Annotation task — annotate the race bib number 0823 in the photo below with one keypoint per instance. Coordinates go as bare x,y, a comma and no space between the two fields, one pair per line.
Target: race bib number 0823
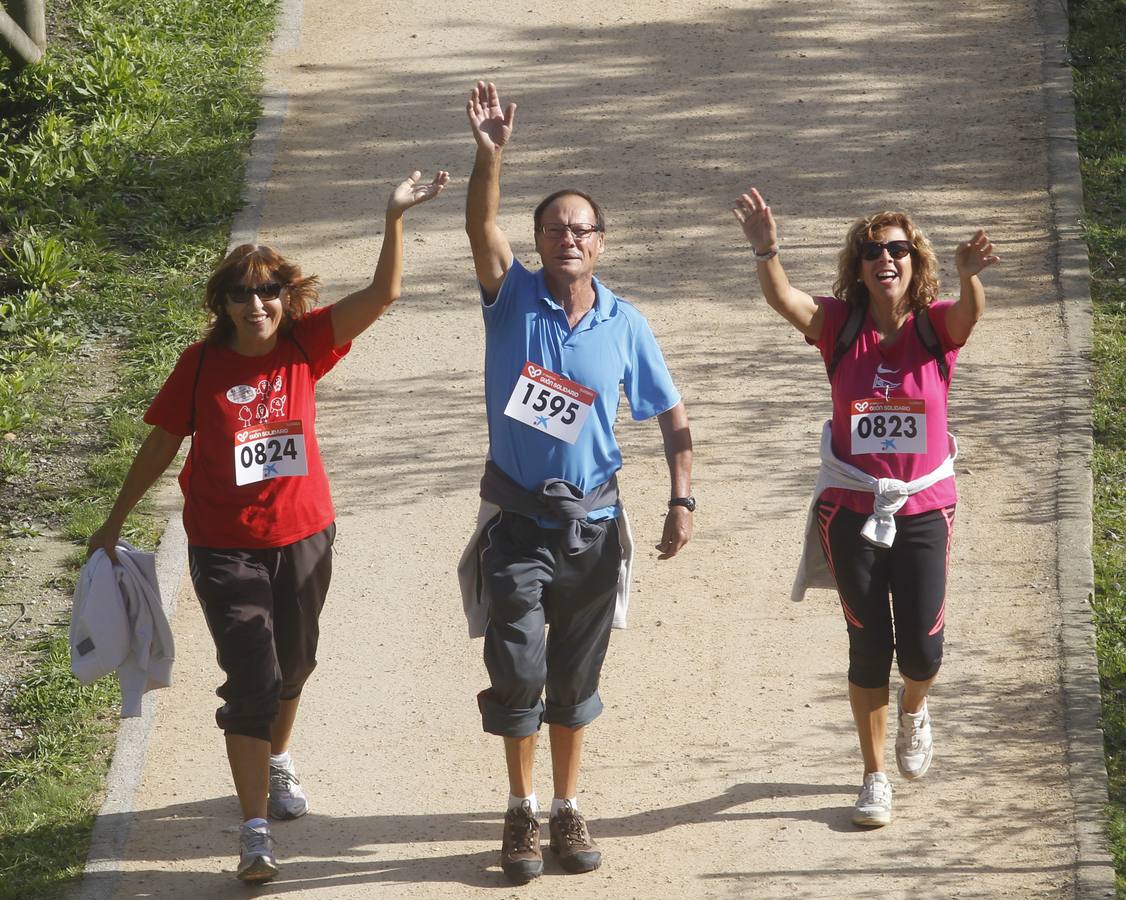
270,451
550,403
889,426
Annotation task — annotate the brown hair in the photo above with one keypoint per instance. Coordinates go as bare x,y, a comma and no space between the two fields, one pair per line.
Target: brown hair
569,192
923,289
261,263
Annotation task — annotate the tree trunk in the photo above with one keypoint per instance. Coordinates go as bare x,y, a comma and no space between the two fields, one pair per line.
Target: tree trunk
23,48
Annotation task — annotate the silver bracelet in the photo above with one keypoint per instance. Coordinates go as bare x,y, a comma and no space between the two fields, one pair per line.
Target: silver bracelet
768,255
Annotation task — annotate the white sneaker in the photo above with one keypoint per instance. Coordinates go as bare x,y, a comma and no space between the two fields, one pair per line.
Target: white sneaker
256,854
287,798
913,744
873,806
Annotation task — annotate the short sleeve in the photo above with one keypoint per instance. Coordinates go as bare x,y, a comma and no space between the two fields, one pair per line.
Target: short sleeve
171,409
515,279
647,383
938,313
313,332
835,313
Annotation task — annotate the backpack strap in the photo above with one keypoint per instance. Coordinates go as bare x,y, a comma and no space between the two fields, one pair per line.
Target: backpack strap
925,328
848,334
195,388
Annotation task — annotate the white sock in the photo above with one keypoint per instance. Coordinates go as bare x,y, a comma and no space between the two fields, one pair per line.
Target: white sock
557,804
515,802
282,759
255,823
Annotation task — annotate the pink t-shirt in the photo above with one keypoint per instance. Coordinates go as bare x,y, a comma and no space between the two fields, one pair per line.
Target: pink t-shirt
889,407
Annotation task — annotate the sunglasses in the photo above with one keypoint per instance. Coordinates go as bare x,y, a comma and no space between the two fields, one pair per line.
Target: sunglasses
896,249
241,293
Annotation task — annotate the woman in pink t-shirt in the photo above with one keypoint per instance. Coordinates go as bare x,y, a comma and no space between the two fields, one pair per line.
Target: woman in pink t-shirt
257,509
887,543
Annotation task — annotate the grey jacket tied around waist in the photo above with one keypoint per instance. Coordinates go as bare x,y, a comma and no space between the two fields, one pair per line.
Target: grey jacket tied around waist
554,499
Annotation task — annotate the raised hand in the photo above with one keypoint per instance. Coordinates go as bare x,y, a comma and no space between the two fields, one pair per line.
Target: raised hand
491,127
757,221
975,254
412,192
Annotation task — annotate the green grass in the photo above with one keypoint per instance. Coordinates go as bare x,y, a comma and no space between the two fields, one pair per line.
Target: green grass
1098,54
121,166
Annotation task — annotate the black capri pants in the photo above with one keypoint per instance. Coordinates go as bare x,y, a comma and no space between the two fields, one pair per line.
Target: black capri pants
263,610
530,582
912,571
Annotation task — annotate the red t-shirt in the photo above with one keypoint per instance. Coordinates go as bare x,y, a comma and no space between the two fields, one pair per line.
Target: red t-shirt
889,407
253,477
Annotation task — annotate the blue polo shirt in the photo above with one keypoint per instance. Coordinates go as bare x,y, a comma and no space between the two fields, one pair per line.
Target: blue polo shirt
612,345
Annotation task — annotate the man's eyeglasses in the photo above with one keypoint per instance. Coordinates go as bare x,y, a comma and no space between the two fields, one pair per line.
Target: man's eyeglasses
896,249
241,293
580,231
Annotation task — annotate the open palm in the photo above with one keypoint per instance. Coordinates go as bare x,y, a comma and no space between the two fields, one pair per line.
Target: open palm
414,191
491,127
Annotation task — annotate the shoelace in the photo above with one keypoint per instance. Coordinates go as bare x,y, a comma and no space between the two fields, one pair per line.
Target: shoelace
874,793
915,731
282,779
257,842
520,832
573,827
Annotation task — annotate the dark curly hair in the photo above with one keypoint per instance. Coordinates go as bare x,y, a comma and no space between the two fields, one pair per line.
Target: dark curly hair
260,263
923,289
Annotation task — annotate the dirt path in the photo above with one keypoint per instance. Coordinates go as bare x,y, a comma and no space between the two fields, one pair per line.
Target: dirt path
725,764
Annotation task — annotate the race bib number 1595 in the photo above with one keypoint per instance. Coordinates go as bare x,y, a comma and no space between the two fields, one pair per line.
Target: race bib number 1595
270,451
889,426
550,403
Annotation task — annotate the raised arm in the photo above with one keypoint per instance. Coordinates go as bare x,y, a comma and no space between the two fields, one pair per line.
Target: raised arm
971,257
797,307
153,457
492,254
677,439
356,312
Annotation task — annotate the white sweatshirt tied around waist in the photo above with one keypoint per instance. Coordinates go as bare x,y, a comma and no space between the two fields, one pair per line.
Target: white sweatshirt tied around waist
889,495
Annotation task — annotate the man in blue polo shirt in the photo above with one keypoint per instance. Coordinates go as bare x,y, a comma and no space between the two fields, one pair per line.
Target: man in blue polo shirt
549,546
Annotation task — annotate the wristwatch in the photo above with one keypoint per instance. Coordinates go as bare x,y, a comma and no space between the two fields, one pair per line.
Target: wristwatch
689,503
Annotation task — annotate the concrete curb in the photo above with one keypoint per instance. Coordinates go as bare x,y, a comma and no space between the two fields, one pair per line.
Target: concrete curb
111,827
1079,676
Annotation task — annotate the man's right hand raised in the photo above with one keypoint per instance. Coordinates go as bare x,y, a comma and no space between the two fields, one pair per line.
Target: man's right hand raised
491,127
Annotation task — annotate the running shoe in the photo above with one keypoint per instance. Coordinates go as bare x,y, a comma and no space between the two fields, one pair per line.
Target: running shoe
913,744
873,806
256,854
520,856
571,841
287,798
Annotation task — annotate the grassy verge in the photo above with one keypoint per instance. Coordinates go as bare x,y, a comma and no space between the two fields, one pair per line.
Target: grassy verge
120,168
1098,55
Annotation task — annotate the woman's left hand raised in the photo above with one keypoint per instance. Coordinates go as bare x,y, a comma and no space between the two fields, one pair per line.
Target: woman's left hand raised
413,191
975,254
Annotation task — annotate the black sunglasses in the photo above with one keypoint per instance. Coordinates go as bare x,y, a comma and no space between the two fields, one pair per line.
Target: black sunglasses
896,249
241,293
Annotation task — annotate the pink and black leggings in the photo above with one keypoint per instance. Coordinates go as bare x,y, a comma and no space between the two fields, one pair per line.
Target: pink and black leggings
912,572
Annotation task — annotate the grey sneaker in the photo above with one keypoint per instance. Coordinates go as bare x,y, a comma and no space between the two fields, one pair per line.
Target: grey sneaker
914,745
873,806
256,860
287,798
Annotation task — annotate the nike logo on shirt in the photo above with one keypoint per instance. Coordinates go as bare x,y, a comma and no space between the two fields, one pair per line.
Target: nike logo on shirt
881,369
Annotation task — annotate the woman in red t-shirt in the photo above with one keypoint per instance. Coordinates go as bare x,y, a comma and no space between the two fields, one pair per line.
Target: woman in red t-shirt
257,508
885,518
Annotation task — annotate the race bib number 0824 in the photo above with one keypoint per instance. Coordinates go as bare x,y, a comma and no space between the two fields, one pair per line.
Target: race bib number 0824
270,451
889,426
550,403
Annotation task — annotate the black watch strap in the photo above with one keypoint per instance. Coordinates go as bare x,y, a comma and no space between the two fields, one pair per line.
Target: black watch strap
689,503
